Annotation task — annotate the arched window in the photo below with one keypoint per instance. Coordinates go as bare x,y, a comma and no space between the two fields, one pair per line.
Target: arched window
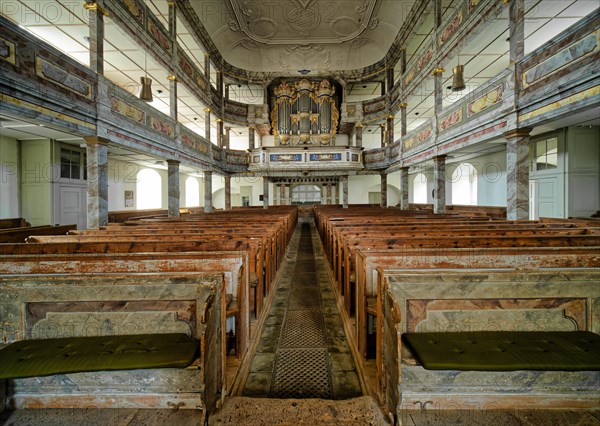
306,194
464,185
420,189
149,189
192,192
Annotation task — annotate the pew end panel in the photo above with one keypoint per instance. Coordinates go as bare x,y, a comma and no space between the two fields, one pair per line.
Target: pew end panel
478,300
43,307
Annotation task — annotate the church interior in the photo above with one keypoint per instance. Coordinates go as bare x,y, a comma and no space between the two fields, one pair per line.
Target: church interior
292,211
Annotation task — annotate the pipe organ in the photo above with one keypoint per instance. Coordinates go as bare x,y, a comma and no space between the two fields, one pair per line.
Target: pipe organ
304,113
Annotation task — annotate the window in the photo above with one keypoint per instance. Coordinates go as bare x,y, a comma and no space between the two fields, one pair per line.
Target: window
192,192
420,189
543,155
464,185
149,189
73,164
306,194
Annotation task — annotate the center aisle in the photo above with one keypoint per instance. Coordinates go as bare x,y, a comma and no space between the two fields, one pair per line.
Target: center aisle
303,351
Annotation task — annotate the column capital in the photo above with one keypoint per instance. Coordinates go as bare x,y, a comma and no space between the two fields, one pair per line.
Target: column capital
172,77
96,140
95,6
359,125
405,168
403,105
521,132
440,158
252,126
438,71
207,110
173,162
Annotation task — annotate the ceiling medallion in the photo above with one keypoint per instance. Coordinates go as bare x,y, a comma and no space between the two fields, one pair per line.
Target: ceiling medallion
304,18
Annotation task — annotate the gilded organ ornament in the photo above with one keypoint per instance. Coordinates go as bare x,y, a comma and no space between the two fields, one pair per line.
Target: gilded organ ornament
304,113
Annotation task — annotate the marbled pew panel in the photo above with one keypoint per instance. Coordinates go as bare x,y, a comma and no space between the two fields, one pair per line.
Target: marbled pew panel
471,300
38,307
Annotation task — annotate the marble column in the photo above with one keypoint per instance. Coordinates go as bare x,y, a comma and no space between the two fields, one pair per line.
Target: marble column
173,95
287,199
383,140
437,13
251,136
516,26
97,181
227,91
334,193
439,184
390,129
207,66
390,79
227,137
358,129
438,89
208,205
383,190
220,82
220,139
265,193
517,174
96,35
174,193
344,182
207,124
172,18
227,180
282,201
403,118
404,188
328,194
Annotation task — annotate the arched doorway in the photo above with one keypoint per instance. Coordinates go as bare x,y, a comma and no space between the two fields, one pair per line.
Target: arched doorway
464,185
149,189
192,192
420,189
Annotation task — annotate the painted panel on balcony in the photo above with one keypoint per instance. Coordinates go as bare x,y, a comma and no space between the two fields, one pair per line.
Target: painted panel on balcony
194,142
121,107
571,53
285,157
60,77
8,51
486,101
452,119
326,157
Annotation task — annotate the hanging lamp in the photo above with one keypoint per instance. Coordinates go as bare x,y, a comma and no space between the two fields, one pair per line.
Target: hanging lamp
146,92
458,80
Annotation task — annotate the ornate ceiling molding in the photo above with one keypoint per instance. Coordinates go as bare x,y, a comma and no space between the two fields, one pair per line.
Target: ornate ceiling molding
262,21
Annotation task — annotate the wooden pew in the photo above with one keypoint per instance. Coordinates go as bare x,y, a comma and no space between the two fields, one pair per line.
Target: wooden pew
16,222
233,265
42,307
471,300
517,259
19,235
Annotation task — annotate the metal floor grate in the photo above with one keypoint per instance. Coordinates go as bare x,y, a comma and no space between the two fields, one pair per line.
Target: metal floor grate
303,328
301,373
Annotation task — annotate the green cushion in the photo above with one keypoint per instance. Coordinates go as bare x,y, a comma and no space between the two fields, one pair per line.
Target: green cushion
31,358
506,350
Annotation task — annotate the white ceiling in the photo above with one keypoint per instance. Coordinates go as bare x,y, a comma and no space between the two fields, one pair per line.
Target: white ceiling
271,40
292,35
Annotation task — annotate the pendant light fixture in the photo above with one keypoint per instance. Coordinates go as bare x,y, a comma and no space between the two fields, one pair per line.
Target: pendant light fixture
458,81
146,92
